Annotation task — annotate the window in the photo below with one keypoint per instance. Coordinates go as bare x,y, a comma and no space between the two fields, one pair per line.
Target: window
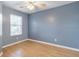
15,25
0,24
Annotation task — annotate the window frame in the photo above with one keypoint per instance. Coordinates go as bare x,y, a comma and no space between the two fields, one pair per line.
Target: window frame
18,26
1,20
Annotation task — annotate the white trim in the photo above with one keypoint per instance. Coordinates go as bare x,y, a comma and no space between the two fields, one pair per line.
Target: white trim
1,53
14,43
52,44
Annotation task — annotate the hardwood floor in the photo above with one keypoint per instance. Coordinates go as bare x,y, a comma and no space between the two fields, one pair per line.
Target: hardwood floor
34,49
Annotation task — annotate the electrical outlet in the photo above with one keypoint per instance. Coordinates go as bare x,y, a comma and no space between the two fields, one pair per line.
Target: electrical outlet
55,40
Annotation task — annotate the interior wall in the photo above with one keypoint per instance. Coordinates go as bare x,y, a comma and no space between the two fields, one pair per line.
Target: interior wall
58,25
0,29
7,39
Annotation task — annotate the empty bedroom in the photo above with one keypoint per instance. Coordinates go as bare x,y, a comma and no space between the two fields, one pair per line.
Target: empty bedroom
39,28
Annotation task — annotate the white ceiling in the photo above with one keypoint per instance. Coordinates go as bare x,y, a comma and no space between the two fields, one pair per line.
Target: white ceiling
49,4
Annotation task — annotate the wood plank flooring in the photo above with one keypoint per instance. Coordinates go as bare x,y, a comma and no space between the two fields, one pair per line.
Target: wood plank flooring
34,49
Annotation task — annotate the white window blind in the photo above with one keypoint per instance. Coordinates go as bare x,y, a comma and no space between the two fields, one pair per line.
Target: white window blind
15,25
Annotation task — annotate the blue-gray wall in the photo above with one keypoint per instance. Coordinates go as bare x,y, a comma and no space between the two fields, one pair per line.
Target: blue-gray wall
57,25
7,39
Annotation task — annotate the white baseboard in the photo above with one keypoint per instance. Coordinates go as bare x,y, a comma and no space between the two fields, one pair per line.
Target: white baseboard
1,53
52,44
14,43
